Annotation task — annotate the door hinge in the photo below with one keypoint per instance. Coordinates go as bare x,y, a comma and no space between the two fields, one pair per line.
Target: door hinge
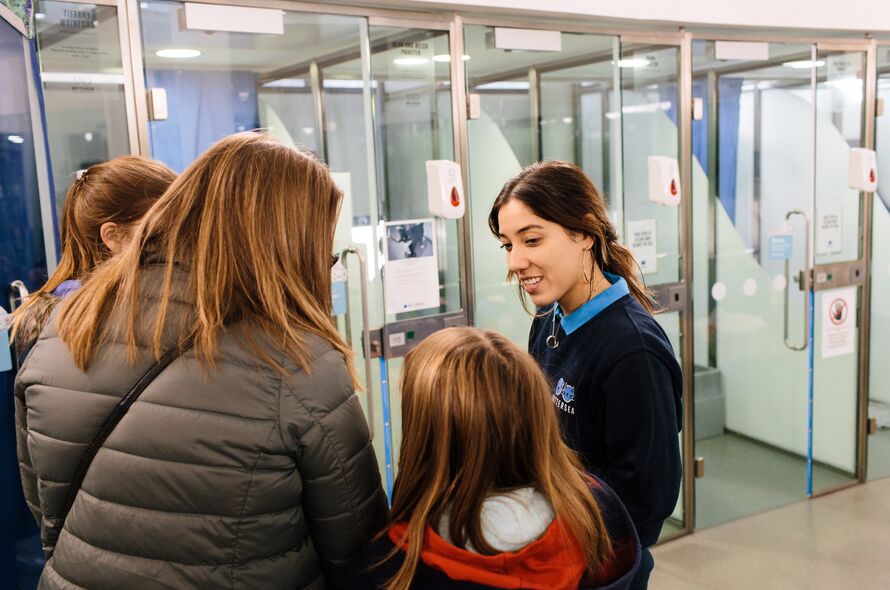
699,467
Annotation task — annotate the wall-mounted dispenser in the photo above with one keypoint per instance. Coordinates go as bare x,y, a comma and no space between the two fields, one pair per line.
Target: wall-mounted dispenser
445,189
664,180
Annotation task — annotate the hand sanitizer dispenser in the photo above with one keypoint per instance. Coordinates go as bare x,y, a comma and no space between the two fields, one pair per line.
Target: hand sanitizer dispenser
863,170
664,180
445,189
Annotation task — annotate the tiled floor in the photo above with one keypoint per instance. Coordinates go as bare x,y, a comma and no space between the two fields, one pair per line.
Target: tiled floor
743,478
838,541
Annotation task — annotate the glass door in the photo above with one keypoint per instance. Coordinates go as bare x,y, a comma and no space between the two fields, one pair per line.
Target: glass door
839,272
84,89
771,199
373,102
594,101
879,380
650,129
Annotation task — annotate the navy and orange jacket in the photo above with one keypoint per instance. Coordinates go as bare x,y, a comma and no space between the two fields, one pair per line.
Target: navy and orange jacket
548,563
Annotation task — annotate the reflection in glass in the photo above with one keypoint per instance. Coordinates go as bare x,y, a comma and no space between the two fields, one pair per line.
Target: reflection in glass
83,88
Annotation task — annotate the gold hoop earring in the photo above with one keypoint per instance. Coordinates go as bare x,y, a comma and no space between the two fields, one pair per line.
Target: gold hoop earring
584,270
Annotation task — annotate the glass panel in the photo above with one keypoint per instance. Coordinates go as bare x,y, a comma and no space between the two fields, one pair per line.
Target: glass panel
753,163
411,83
839,92
83,88
649,128
879,350
22,257
648,118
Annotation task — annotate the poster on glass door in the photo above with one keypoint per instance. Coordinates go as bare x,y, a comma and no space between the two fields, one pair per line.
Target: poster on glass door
838,322
642,241
411,273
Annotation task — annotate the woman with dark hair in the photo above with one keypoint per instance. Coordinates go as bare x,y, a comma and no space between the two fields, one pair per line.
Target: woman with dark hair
617,385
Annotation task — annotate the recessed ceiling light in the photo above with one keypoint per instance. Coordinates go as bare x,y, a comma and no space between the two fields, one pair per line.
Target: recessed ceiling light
178,53
803,64
15,138
447,58
410,61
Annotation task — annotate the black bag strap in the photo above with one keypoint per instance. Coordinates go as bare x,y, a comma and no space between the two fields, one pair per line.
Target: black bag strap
112,421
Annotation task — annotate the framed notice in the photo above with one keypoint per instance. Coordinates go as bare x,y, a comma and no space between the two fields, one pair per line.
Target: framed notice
411,272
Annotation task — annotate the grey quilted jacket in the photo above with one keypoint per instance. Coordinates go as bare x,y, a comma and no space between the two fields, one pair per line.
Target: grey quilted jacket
237,478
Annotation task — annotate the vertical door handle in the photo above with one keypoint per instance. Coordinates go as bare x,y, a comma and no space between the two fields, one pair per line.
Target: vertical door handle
805,284
17,292
366,329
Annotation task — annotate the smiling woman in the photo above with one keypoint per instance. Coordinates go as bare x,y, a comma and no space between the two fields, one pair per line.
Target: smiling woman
617,384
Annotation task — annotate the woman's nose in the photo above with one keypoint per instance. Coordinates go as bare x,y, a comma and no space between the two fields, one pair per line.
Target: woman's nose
516,260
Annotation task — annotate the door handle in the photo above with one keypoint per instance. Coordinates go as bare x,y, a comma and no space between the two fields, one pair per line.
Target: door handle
366,329
16,292
805,283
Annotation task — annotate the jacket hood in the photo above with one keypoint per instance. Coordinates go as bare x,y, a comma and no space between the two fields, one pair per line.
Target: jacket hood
552,562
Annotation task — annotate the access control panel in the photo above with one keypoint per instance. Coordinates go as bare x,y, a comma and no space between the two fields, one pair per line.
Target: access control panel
396,339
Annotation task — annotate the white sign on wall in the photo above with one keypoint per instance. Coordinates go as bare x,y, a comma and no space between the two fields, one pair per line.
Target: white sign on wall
642,242
838,322
829,231
411,274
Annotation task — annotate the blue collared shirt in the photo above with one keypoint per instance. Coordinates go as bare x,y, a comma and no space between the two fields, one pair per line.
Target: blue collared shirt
589,310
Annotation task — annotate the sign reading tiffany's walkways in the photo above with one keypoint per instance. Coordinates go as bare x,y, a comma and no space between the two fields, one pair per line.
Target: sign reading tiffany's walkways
838,322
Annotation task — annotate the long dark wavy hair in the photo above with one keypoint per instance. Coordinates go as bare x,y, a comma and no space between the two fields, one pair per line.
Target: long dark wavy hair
561,193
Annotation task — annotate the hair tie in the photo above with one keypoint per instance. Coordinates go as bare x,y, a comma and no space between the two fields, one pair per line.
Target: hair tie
80,177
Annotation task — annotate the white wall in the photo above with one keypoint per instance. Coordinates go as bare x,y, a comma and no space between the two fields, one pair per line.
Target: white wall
860,15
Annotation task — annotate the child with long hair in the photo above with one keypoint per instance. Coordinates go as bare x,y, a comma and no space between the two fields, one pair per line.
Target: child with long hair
615,380
487,493
100,212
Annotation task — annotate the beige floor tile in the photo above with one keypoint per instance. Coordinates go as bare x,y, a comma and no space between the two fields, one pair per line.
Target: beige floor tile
837,541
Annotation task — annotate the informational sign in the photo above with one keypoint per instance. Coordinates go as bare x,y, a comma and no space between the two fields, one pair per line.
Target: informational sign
829,231
780,243
642,240
5,352
411,273
838,322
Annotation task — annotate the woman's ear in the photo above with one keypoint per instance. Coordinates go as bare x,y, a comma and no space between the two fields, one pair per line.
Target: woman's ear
113,235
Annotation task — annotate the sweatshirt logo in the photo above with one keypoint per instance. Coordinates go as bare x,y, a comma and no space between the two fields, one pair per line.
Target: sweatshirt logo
564,395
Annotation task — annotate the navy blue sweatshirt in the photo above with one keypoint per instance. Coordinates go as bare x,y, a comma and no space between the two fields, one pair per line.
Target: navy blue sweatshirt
617,390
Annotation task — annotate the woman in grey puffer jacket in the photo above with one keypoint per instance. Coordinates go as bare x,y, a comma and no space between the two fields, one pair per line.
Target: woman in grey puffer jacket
247,462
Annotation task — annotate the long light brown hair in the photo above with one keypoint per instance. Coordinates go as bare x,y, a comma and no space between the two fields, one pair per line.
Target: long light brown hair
477,419
251,222
560,192
119,191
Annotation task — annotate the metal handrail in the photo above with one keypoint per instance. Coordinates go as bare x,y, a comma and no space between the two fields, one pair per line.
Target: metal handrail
366,327
804,283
